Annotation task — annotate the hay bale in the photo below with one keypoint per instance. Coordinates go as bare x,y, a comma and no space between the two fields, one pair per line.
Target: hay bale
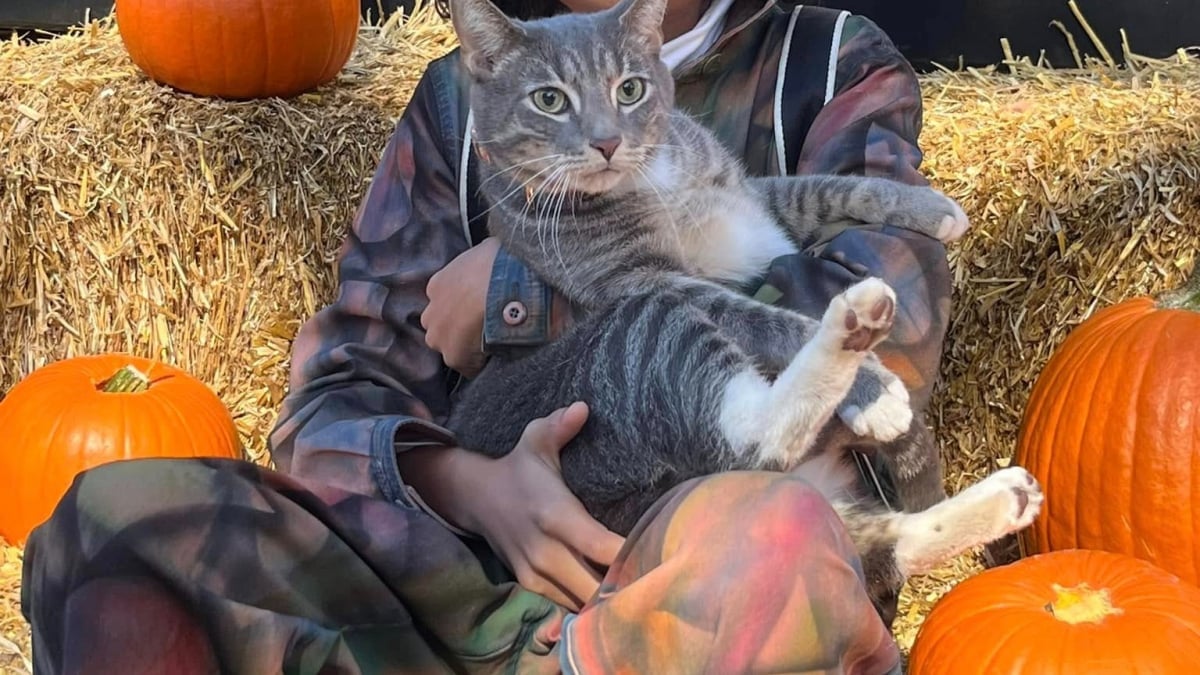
15,649
199,232
134,218
1084,190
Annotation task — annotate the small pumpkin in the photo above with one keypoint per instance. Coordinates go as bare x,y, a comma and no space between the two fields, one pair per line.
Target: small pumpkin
81,412
239,49
1112,433
1068,612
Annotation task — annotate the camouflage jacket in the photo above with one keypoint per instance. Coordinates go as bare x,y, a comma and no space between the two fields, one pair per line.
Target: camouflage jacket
364,385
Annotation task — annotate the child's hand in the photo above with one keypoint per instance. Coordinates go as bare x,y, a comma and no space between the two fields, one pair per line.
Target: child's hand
535,523
453,320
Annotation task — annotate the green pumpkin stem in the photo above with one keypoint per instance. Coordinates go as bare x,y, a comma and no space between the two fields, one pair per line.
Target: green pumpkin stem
128,380
1184,297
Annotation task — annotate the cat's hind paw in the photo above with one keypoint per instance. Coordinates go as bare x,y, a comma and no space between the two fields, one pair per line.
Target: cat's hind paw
1008,501
862,316
1005,502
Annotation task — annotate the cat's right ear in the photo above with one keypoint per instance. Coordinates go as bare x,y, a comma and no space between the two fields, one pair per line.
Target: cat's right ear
485,34
643,19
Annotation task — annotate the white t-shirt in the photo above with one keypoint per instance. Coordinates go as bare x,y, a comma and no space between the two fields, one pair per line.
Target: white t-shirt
699,39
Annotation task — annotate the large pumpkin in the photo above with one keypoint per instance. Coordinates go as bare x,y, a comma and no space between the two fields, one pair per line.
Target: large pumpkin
239,49
78,413
1112,433
1068,612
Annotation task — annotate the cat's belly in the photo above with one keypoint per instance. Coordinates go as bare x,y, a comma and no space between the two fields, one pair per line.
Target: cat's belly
727,236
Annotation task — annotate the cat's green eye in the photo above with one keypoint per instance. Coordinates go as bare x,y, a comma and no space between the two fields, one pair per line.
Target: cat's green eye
550,100
631,91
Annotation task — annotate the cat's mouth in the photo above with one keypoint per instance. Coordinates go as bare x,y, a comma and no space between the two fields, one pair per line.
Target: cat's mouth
598,179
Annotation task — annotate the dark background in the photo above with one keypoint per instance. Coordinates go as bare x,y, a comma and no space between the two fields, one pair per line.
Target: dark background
948,32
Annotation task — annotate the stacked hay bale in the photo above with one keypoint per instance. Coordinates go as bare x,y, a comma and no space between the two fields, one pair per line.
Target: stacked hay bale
200,232
1084,189
134,218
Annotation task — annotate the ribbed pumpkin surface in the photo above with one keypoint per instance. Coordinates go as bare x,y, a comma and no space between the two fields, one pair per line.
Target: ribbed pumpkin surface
239,49
1067,613
57,422
1112,432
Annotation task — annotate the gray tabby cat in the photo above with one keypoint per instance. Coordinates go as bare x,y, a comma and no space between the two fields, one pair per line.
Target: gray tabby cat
639,217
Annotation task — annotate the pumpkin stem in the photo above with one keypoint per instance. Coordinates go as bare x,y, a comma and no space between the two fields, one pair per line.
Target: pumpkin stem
1184,297
128,380
1081,604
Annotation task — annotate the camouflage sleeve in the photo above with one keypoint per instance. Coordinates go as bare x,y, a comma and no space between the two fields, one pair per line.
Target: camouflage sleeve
362,381
871,126
872,122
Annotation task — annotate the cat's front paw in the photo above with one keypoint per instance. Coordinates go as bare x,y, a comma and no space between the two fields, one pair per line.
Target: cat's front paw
954,224
886,417
862,316
930,212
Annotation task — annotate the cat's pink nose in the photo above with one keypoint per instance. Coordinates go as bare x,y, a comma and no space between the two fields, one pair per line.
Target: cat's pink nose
607,146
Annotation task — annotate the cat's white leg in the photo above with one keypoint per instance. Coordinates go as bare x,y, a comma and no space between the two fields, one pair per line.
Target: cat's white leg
1004,502
781,420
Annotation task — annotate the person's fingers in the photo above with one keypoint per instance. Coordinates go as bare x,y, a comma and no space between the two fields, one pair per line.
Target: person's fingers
535,582
548,434
569,573
577,529
565,423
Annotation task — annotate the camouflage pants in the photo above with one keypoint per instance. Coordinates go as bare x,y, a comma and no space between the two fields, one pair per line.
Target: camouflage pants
168,566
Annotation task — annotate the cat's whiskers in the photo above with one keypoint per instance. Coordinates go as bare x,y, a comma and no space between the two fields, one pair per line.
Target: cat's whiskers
553,157
693,221
518,188
545,205
561,163
667,210
675,166
555,231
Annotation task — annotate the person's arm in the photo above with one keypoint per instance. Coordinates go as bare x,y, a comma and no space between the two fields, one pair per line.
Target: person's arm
871,126
362,379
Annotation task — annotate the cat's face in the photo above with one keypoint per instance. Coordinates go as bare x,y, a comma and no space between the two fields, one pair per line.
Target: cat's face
576,102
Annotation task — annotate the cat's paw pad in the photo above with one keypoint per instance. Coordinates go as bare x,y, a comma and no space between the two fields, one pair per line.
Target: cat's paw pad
953,225
862,316
885,419
1010,499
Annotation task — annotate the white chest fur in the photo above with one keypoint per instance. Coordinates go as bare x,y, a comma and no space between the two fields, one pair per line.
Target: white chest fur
724,233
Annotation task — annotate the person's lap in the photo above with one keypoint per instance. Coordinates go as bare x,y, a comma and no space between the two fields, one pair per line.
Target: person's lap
210,565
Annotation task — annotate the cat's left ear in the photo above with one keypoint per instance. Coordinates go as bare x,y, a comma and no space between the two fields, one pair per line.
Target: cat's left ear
643,19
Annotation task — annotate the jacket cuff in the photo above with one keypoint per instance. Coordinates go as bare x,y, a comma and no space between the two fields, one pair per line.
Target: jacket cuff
397,434
518,307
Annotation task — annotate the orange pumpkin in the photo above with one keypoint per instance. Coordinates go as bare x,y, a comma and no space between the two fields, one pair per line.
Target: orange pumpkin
1112,433
1067,612
78,413
239,49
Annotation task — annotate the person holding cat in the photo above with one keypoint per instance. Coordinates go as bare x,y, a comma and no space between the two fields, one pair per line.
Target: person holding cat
379,546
